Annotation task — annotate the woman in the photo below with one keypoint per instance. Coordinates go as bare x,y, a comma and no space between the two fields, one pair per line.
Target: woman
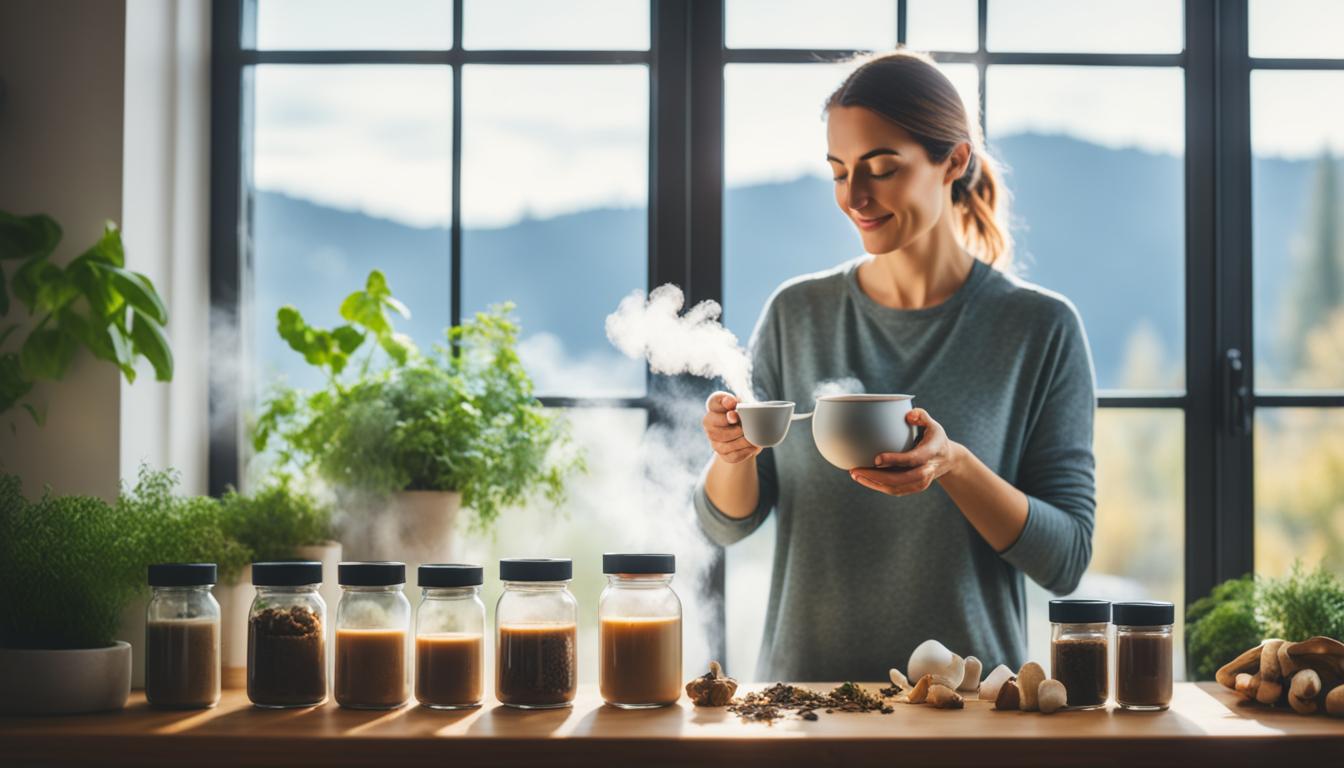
934,542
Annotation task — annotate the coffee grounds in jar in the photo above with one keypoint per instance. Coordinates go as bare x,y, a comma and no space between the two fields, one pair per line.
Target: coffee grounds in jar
286,658
1081,666
536,665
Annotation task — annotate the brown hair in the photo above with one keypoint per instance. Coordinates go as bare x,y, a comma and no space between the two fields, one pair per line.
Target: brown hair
908,89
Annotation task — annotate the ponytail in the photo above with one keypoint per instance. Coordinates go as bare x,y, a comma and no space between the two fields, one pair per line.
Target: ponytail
978,196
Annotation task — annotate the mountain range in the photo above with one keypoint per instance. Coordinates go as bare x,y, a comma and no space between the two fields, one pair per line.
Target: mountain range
1101,225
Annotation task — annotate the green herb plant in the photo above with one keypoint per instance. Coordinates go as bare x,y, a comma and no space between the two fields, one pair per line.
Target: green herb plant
390,418
1240,613
70,565
276,519
94,302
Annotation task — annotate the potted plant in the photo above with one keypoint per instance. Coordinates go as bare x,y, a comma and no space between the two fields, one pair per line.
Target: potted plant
72,568
93,302
414,436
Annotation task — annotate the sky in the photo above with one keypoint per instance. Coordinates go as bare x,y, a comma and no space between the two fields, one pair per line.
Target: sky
542,141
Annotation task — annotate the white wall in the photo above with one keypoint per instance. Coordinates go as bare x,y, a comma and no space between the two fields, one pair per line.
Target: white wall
165,223
61,153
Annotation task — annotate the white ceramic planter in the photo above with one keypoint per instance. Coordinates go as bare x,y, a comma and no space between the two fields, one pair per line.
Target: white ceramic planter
414,527
65,682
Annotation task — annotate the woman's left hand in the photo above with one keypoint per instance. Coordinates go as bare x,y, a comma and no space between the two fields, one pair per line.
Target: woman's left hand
901,474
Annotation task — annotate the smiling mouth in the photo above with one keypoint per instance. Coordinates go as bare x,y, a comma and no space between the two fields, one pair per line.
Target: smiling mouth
868,224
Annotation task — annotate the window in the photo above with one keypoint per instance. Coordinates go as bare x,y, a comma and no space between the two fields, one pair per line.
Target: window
1297,248
1176,169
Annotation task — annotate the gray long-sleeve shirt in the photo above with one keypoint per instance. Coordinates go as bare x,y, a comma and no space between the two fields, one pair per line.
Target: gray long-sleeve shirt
860,578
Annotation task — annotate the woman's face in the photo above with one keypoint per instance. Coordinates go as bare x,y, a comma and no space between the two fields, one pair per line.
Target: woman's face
884,180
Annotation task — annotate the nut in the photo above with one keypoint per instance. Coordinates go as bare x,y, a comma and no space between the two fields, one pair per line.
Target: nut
1051,696
1009,697
1029,679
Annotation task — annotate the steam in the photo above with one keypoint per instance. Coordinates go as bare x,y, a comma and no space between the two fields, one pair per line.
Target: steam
674,343
847,385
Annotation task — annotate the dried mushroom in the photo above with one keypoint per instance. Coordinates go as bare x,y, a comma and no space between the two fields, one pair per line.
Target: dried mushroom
712,689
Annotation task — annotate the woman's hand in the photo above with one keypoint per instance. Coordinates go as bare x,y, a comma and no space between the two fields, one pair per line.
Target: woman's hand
724,429
901,474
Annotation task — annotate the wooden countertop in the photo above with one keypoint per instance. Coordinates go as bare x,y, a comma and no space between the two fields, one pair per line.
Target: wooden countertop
1204,726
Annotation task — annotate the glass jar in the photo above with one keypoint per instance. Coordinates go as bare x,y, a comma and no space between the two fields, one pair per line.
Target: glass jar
182,637
1078,650
1143,650
373,624
286,630
450,637
639,660
536,634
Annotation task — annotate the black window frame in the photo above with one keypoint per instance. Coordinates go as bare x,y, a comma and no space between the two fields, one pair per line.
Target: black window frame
685,60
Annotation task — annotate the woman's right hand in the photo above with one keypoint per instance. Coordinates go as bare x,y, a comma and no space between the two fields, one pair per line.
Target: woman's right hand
724,429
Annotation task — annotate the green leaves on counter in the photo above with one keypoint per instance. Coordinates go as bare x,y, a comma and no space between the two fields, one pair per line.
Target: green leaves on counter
1240,613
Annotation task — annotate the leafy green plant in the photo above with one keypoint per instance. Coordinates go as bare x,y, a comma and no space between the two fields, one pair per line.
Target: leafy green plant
1220,626
1303,605
1239,613
275,520
461,418
66,571
174,528
93,302
69,565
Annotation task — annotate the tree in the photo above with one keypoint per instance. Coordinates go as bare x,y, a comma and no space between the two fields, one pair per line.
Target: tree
1318,281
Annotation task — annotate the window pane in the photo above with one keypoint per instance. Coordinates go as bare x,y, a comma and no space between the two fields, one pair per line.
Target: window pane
1299,489
351,167
354,24
1138,545
840,24
1094,158
545,24
635,497
1086,26
940,25
1297,29
780,216
555,212
1297,139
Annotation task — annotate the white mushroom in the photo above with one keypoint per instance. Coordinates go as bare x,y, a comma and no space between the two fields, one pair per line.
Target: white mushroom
899,680
970,681
989,689
933,658
1029,679
1051,696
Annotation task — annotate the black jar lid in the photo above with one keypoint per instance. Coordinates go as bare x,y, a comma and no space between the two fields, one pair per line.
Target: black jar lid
382,573
182,574
287,573
536,569
638,563
1080,611
451,575
1145,613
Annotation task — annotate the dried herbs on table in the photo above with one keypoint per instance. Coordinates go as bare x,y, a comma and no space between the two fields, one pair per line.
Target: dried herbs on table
780,700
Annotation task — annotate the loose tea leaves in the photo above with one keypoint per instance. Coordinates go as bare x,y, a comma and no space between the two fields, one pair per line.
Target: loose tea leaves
781,700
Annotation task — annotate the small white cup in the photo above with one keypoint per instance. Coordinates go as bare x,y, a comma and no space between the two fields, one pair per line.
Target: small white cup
765,424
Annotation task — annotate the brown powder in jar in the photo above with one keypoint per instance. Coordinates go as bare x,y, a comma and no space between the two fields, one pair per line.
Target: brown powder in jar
286,658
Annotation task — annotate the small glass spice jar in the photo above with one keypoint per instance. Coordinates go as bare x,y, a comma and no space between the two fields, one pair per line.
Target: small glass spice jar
286,636
182,637
373,623
1143,650
450,637
640,632
1079,649
536,641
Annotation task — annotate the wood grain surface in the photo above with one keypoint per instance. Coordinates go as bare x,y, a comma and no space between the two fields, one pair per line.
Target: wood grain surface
1204,726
